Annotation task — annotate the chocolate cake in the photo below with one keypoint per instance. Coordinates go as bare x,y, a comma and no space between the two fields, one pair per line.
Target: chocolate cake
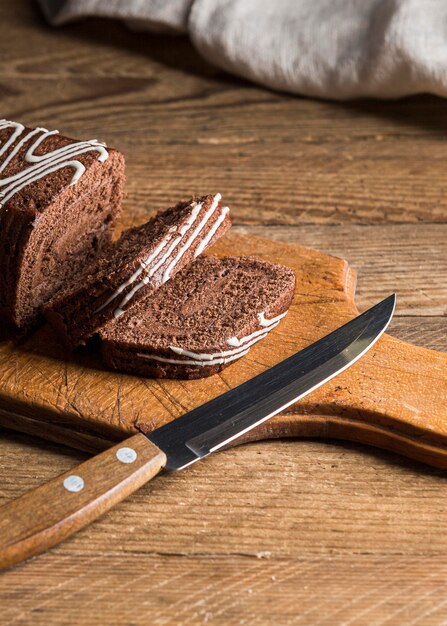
205,318
142,260
58,200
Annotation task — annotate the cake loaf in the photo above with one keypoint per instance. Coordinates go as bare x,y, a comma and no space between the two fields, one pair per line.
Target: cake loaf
58,200
142,260
205,318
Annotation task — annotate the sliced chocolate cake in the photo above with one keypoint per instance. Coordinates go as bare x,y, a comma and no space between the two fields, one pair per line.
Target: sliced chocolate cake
58,200
206,317
140,262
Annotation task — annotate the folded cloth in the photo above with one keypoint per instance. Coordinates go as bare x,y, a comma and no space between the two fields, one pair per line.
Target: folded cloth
335,49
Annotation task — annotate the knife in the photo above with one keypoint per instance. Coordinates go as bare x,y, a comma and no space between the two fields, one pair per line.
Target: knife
45,516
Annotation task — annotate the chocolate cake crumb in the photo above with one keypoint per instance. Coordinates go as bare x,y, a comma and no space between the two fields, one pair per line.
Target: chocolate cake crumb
59,199
205,318
142,260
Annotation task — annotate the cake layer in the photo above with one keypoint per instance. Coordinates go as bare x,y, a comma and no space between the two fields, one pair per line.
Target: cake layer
207,317
142,260
59,198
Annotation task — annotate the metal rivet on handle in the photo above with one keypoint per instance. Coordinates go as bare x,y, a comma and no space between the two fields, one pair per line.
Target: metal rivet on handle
74,483
126,455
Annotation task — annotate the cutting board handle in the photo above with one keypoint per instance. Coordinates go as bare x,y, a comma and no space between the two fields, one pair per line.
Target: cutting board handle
45,516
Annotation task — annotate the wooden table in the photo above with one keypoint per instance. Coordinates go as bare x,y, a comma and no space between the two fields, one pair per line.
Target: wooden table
283,532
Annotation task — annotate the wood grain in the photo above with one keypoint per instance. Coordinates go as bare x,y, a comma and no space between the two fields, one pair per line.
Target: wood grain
410,260
309,533
279,160
298,181
337,533
321,591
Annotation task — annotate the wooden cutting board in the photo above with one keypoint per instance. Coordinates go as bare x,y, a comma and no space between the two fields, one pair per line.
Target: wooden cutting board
395,397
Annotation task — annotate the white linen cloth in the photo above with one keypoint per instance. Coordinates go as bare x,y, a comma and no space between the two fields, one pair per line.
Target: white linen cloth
327,48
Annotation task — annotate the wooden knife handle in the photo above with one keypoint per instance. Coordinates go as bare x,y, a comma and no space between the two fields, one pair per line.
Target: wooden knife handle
45,516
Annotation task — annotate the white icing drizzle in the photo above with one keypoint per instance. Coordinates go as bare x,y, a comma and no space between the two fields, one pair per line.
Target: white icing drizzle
216,361
181,232
17,147
45,163
203,359
143,264
167,245
204,356
263,321
201,247
19,128
267,325
196,232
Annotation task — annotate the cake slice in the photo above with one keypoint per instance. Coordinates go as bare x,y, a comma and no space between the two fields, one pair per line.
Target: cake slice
58,200
142,260
205,318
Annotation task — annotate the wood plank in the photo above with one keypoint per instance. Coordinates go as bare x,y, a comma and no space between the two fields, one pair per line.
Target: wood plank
410,260
278,159
354,534
92,48
331,534
429,332
141,589
359,590
266,176
361,497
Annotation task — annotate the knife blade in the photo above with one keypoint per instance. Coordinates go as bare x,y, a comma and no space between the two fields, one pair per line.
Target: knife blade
216,423
45,516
